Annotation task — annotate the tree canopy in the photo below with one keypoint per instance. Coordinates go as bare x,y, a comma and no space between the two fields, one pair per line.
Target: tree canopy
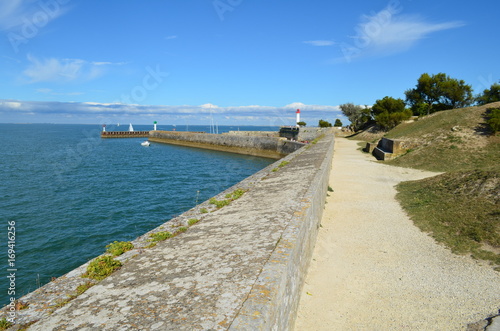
389,112
489,95
324,124
357,115
337,123
389,105
438,92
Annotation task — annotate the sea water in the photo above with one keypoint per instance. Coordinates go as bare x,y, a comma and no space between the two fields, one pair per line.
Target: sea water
65,193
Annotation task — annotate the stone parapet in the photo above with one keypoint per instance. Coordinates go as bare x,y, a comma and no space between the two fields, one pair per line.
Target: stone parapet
240,266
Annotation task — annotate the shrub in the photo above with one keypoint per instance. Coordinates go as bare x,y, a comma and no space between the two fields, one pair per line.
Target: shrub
324,124
102,267
388,120
117,248
493,119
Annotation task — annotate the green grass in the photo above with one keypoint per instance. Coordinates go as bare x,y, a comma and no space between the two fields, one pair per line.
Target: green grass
281,165
193,221
102,267
458,209
439,148
315,140
181,229
160,236
236,194
117,248
4,324
80,289
219,203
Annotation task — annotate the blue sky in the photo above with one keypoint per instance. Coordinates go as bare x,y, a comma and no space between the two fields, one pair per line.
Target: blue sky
239,61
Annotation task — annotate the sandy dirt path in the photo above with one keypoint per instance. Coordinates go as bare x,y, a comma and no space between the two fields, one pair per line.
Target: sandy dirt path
372,269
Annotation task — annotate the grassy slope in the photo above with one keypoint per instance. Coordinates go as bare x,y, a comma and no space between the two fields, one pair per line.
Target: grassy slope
460,208
439,148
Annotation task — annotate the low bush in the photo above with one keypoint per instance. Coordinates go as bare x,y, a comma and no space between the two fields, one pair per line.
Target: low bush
493,119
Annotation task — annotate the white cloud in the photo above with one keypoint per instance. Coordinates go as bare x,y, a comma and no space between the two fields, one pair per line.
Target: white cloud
117,112
389,32
320,42
108,63
170,37
400,33
16,13
63,70
209,106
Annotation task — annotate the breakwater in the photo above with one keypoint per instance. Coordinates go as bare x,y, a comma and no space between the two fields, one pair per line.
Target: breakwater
271,147
124,134
240,267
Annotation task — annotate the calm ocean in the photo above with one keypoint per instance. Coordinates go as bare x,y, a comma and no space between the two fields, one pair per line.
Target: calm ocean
70,193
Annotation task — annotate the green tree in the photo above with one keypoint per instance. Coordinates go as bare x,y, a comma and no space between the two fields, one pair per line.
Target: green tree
357,115
489,95
438,92
301,123
494,119
456,94
389,112
337,123
324,124
389,105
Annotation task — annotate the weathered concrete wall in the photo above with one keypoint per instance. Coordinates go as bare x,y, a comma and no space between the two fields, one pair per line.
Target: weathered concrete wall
272,304
250,145
240,267
311,133
274,134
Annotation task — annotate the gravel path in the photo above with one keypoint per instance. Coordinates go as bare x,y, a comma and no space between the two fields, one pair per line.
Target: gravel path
372,269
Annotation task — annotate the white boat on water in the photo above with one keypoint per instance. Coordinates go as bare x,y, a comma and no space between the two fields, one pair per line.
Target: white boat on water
145,143
130,128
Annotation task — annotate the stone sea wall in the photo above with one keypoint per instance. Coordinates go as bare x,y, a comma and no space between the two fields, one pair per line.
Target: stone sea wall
241,266
271,147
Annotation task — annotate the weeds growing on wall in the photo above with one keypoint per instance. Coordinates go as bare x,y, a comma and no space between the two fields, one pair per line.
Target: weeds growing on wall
160,236
102,267
236,194
117,248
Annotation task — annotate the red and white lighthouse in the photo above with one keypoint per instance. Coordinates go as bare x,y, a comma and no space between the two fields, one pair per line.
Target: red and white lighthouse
298,116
